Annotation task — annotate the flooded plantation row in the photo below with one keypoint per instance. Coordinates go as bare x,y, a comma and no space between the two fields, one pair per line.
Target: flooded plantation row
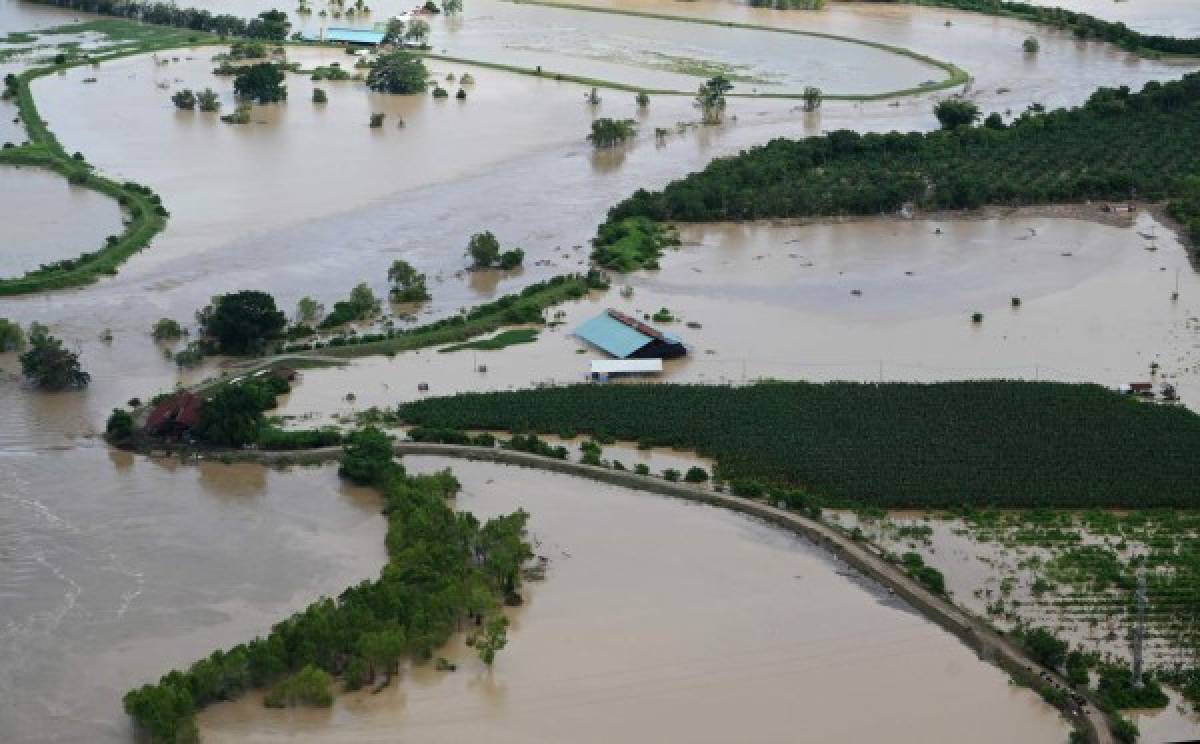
626,639
1072,573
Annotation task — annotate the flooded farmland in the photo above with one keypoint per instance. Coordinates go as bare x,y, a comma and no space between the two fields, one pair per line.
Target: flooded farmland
681,621
625,640
863,300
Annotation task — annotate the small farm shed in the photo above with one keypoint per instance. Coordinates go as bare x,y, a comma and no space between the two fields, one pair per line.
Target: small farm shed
625,337
359,36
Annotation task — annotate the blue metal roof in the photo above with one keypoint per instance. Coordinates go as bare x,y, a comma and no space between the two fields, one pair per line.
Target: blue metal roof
354,35
612,335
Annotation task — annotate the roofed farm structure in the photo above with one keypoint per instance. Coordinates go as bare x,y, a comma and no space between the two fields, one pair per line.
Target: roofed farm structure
626,337
360,36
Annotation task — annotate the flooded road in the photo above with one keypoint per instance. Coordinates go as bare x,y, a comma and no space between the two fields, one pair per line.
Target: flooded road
114,569
664,620
56,220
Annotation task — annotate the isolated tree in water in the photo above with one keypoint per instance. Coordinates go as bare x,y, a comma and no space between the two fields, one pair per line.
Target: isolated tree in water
408,285
395,32
49,365
953,113
493,638
812,98
451,7
418,32
710,99
11,336
262,83
483,249
398,72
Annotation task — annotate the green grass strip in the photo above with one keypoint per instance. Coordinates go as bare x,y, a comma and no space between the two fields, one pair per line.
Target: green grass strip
44,150
501,340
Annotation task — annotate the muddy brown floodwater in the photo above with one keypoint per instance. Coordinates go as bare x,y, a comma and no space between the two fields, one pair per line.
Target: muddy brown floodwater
310,201
661,620
778,301
114,569
56,220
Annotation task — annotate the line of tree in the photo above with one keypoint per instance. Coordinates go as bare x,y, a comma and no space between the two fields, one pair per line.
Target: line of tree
272,25
1118,145
445,572
1082,25
1004,444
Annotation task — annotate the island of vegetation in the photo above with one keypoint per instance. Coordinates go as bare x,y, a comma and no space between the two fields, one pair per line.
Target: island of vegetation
1120,145
446,573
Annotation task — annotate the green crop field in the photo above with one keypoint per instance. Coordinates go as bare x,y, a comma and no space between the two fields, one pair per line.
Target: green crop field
997,443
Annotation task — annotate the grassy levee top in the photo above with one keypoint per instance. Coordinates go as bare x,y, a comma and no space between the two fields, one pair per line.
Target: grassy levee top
995,444
146,215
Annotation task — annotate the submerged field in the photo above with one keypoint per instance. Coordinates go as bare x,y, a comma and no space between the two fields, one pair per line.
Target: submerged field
311,201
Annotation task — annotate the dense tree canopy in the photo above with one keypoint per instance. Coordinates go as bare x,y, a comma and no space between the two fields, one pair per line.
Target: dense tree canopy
262,82
49,365
242,322
398,72
956,112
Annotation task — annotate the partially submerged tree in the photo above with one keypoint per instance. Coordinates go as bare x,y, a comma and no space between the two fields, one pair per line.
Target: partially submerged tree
484,249
812,98
710,99
49,365
166,329
207,100
12,338
1030,45
408,285
452,7
953,113
184,100
493,638
395,32
398,72
262,82
611,132
417,32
